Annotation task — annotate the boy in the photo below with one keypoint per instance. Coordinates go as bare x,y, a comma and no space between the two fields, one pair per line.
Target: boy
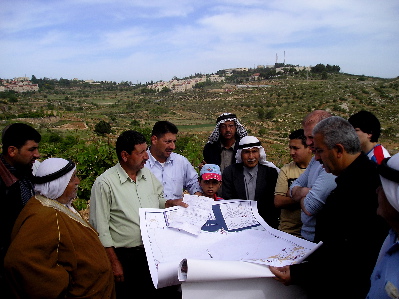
368,129
210,180
301,154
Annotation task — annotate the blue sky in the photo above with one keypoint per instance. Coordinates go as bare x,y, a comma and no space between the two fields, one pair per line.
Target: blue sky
144,40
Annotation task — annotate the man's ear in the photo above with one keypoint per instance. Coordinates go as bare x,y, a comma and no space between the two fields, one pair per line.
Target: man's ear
339,149
369,136
124,155
154,139
12,151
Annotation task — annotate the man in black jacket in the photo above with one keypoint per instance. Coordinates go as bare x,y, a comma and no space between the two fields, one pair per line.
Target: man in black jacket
222,144
253,178
20,150
348,225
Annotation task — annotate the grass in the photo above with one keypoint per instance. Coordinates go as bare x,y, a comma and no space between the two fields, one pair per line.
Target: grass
268,113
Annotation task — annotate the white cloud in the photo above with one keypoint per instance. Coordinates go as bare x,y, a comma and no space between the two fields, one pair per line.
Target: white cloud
117,38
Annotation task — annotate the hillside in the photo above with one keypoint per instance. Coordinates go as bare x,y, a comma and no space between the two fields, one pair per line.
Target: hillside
67,115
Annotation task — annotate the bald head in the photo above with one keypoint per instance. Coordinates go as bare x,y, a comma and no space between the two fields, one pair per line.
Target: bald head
310,121
315,117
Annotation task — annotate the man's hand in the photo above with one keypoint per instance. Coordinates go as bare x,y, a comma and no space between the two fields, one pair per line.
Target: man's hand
117,269
299,192
282,274
116,265
175,202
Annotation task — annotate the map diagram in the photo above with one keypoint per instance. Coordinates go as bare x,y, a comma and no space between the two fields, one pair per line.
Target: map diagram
233,231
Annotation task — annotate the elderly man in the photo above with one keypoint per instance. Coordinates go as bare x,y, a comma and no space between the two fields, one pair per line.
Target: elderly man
385,278
348,225
222,144
116,197
54,252
314,184
20,151
173,170
252,178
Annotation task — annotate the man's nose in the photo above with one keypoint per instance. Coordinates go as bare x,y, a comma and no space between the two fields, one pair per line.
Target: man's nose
36,154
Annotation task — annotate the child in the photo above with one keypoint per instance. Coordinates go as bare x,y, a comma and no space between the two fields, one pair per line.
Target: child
368,128
210,180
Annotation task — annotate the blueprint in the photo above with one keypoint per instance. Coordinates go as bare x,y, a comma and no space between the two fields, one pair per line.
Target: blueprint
233,233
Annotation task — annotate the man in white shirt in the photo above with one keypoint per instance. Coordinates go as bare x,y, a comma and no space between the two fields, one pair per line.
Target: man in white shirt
174,171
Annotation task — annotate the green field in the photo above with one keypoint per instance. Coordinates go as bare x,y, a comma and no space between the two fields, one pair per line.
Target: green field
66,115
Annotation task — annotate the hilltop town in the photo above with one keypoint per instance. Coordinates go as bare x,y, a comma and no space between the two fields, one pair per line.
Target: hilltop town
239,76
182,85
20,84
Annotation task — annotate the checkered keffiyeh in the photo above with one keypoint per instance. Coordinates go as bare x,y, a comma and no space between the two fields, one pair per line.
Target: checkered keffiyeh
241,131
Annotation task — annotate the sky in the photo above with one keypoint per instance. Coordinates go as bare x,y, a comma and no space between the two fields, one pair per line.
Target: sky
151,40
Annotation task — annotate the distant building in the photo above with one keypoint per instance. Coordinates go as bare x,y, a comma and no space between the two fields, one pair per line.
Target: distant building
19,84
184,85
21,79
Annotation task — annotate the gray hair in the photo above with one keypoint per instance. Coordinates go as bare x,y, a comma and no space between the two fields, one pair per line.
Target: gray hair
337,130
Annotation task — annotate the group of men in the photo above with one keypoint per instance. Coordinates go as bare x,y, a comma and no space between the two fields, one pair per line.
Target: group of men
329,196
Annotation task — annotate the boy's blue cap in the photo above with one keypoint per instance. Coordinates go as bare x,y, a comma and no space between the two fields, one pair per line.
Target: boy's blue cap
211,172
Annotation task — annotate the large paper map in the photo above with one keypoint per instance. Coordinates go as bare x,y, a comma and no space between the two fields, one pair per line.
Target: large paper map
233,232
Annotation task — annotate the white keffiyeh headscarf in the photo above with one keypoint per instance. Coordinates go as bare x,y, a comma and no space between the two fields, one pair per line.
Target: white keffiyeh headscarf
389,174
250,142
241,131
53,176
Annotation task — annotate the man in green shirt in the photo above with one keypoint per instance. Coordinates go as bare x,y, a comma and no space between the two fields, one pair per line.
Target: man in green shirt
116,197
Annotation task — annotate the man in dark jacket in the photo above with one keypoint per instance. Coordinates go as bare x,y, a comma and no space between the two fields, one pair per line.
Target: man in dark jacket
348,226
253,178
20,150
222,144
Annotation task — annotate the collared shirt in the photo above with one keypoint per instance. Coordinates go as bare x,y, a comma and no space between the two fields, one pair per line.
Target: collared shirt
385,278
226,156
321,184
250,176
175,175
115,201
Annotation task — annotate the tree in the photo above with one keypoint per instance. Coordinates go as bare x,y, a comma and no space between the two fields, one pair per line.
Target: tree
102,128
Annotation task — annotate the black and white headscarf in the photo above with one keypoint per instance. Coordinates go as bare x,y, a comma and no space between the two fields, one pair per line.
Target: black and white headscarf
53,176
241,131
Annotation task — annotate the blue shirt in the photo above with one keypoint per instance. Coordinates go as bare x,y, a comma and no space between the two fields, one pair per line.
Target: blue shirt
175,175
385,277
321,184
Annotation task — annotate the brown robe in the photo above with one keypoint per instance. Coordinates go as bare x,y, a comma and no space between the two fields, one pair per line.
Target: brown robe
54,253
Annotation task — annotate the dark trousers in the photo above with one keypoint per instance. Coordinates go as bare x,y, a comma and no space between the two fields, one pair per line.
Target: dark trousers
138,282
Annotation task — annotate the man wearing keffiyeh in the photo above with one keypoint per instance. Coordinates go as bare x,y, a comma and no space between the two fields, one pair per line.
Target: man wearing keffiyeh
222,144
20,151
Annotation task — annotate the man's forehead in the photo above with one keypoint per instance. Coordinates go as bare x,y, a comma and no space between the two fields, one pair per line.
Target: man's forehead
31,143
308,128
251,149
169,136
228,122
